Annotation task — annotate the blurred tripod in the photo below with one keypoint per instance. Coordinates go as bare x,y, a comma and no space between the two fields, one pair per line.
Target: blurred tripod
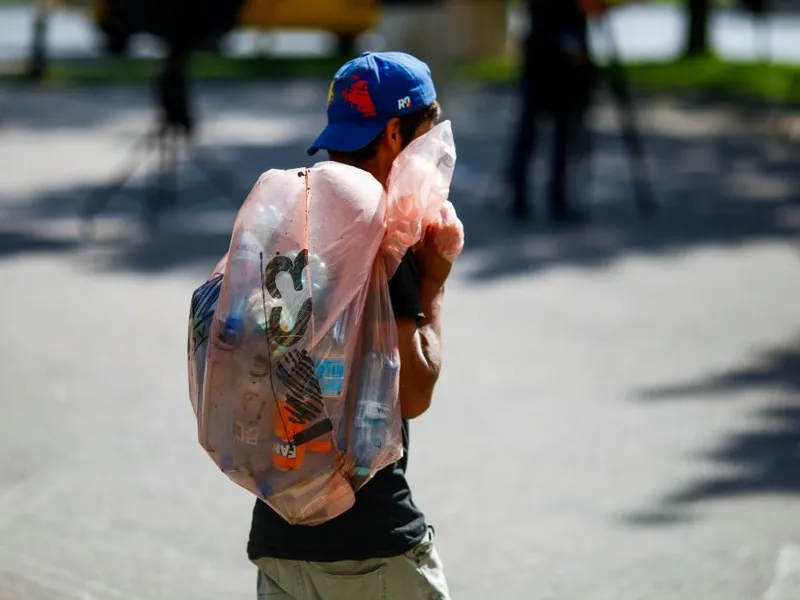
171,134
646,203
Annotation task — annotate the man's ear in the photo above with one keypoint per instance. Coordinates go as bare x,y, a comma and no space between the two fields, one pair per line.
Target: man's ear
393,138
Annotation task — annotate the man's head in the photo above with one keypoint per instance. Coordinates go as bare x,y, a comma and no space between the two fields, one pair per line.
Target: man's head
377,104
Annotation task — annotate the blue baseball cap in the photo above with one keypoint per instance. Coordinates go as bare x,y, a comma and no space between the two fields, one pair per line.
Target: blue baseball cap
368,91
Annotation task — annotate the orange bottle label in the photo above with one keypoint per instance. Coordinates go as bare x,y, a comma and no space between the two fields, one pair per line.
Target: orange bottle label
286,454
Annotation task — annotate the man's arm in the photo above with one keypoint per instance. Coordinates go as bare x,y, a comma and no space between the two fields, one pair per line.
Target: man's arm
420,340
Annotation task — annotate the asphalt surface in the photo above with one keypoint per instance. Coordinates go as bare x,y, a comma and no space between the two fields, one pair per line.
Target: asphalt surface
619,413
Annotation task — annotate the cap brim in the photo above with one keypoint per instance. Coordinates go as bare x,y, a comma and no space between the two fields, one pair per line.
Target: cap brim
347,137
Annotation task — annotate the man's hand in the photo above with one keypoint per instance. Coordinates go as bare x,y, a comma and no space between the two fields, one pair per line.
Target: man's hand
442,242
420,343
432,265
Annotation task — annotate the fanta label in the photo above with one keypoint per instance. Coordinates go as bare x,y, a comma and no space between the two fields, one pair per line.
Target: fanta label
284,449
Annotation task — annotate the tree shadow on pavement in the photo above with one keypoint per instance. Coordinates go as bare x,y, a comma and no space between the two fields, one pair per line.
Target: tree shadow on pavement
16,242
719,187
718,184
763,459
271,126
40,108
195,231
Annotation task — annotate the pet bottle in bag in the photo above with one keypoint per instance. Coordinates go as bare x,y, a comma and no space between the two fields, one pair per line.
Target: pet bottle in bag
372,410
286,454
289,451
243,274
248,256
330,366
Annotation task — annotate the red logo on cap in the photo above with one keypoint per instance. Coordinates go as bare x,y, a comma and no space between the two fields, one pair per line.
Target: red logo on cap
357,96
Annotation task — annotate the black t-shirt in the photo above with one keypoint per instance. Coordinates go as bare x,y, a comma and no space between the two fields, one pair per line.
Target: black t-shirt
384,521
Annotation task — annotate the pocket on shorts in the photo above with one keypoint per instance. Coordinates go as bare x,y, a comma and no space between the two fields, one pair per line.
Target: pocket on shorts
268,588
348,580
272,577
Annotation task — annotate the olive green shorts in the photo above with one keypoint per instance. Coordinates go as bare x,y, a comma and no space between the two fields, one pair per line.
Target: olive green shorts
415,575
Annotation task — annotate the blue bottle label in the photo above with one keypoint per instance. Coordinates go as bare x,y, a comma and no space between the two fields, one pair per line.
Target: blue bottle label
330,373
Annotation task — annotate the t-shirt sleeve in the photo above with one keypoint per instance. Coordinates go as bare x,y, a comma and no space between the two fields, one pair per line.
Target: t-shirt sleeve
404,289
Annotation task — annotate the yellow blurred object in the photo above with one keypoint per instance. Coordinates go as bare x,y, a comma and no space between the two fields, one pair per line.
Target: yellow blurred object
345,18
480,26
96,8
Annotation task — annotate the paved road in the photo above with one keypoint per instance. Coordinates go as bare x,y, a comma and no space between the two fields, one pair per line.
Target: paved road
643,32
619,416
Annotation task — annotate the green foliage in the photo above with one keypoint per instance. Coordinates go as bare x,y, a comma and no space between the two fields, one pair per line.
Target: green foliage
773,81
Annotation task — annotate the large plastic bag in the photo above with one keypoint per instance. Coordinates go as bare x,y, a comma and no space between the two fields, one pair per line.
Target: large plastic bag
293,360
417,189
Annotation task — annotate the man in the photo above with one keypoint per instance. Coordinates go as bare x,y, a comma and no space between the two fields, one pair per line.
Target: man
381,547
556,80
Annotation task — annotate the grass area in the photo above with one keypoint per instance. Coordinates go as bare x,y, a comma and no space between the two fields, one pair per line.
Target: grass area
779,82
772,81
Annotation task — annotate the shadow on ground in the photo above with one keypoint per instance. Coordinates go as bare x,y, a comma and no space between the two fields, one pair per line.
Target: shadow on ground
720,186
765,458
30,106
194,230
720,176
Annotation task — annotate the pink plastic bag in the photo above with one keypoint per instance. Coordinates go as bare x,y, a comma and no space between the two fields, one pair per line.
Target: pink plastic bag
418,187
293,360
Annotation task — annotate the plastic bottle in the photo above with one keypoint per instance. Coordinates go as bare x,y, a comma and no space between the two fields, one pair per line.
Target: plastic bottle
331,370
243,275
244,268
286,455
372,410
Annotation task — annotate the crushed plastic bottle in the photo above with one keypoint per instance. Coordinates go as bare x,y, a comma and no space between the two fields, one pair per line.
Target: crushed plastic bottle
373,410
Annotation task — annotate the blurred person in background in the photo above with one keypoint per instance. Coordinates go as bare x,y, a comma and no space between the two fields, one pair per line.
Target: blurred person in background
558,76
382,547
